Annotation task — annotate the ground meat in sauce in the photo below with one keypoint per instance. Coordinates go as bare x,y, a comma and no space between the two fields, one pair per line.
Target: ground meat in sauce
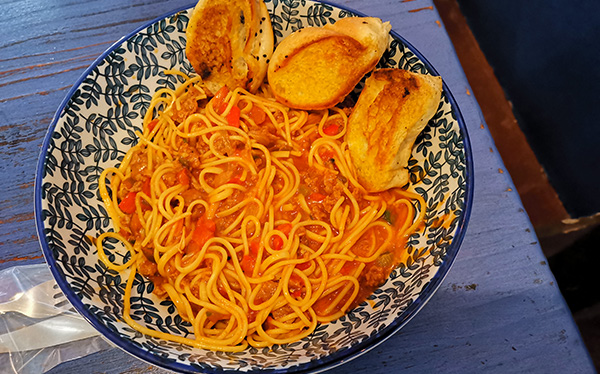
235,198
267,290
318,212
362,248
282,312
147,267
263,136
374,276
312,244
333,188
139,173
328,183
139,165
188,106
189,156
227,146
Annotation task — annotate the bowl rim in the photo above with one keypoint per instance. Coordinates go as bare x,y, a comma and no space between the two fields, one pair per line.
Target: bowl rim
315,366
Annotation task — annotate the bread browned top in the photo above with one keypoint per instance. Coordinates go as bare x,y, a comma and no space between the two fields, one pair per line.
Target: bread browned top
393,108
229,42
316,67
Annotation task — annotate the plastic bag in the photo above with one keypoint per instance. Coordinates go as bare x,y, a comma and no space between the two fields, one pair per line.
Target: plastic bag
19,357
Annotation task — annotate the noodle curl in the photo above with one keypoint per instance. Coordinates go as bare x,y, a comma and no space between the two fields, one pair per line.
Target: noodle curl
248,216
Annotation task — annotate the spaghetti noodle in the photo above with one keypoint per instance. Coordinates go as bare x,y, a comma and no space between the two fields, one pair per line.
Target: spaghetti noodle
248,216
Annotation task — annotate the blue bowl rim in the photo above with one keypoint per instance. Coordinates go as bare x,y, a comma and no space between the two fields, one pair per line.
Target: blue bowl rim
315,366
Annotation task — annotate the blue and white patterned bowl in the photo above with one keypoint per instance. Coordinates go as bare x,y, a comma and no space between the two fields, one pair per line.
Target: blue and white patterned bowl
93,129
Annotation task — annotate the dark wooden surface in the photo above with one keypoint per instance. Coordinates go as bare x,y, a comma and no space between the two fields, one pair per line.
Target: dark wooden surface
538,196
499,309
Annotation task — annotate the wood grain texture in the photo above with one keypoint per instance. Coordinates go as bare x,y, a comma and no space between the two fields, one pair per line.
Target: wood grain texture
498,310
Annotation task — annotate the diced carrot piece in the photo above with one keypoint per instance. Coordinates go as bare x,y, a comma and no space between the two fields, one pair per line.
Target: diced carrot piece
127,205
146,187
254,247
233,117
295,285
248,262
349,267
277,243
316,197
152,124
205,230
257,115
218,102
236,180
332,129
327,155
285,228
183,177
135,224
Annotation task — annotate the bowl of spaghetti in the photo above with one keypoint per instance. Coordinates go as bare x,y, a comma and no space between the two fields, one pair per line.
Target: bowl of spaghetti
227,232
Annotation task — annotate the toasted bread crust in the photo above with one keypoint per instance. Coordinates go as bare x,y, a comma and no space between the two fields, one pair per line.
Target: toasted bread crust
393,108
229,42
369,31
315,68
327,83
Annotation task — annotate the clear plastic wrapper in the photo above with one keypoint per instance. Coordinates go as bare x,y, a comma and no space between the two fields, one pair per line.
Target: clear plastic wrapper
56,335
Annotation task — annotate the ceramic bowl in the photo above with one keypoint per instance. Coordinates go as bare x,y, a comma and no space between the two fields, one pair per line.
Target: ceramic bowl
94,127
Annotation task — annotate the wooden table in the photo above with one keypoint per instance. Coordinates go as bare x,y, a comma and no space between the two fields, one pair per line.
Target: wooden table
499,309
